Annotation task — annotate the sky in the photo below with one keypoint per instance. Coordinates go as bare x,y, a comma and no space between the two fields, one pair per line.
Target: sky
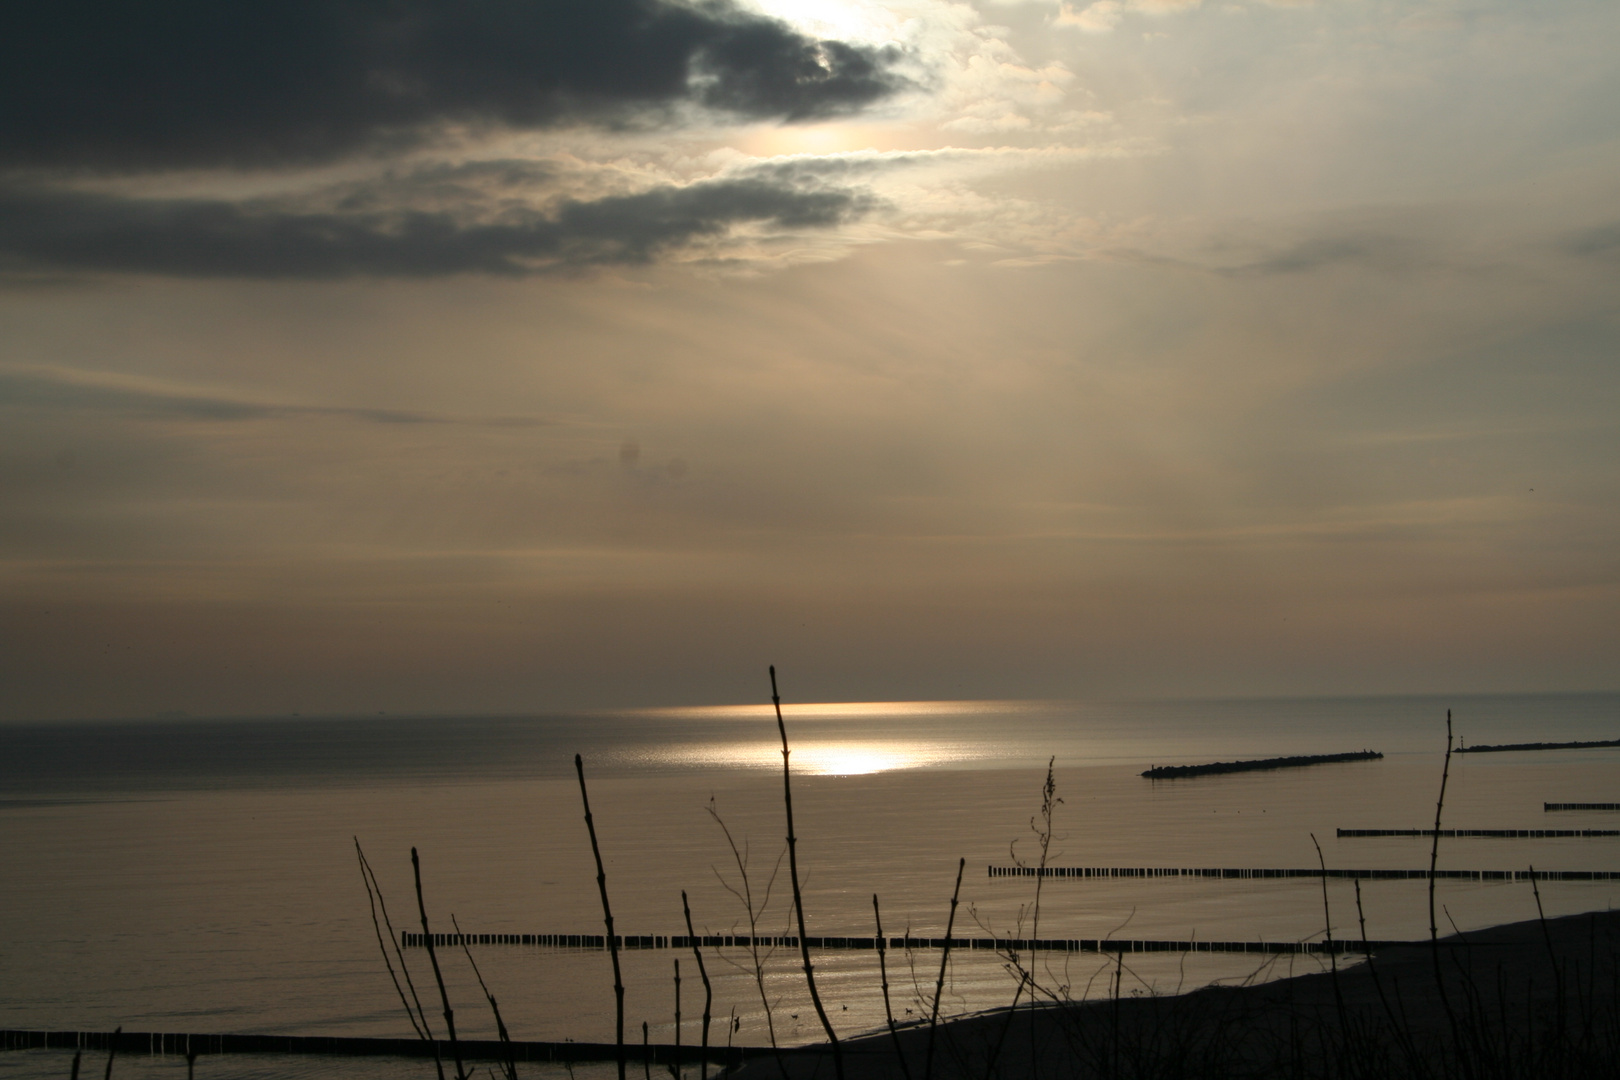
423,356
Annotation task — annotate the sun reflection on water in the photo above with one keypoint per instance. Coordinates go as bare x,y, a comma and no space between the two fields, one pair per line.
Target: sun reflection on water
817,758
839,738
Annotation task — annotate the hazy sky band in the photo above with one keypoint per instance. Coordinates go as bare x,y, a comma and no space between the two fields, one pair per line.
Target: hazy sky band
521,356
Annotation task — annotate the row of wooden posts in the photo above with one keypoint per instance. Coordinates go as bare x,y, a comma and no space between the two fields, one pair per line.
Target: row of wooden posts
182,1044
987,944
1298,872
1502,834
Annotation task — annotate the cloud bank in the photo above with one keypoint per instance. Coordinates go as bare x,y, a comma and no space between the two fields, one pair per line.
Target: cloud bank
46,230
124,84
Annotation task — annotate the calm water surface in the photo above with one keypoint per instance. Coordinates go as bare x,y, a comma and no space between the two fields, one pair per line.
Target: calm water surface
200,875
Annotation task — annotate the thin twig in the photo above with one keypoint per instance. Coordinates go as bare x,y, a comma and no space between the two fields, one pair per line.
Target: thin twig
1333,958
755,915
798,896
945,958
433,956
708,991
607,918
374,895
883,973
1558,976
500,1025
1434,930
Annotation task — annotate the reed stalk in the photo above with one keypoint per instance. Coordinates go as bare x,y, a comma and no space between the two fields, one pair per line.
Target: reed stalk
883,974
1397,1025
1558,977
438,976
375,897
944,961
1434,858
675,1068
78,1056
607,918
1043,836
510,1068
708,991
798,896
1327,929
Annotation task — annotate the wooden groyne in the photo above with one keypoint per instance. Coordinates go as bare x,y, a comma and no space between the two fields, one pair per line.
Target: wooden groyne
1500,748
154,1043
993,944
1507,834
1552,806
1245,873
1177,772
411,940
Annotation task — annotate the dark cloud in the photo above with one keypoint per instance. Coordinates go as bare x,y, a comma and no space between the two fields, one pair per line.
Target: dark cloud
126,84
69,230
47,389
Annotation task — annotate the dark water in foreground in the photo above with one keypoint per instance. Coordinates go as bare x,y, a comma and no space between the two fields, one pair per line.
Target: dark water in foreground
200,875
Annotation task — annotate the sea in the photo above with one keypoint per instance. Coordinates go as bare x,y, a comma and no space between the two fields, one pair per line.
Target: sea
201,875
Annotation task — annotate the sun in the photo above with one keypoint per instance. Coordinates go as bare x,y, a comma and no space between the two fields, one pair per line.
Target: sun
844,20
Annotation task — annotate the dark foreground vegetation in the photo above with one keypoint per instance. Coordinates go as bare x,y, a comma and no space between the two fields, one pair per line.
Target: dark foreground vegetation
1178,772
1526,1000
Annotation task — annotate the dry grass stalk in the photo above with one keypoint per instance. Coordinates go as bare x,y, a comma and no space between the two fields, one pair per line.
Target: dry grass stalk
607,918
944,961
1327,929
1434,857
708,991
883,973
509,1067
418,1017
438,976
798,896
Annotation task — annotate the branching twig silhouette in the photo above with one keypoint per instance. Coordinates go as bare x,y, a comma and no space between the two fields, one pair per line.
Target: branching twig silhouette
374,895
744,893
510,1068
